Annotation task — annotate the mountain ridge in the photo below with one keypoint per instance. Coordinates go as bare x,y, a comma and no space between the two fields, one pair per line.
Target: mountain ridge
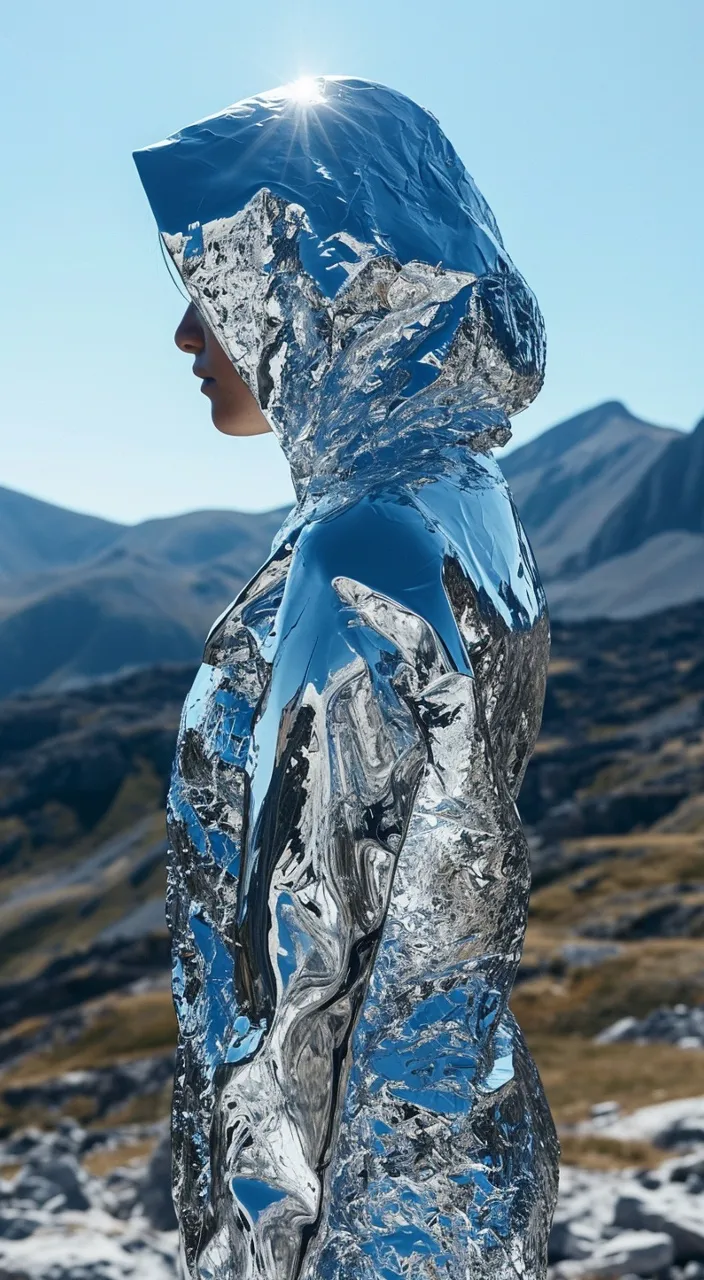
571,478
82,598
669,496
148,594
35,534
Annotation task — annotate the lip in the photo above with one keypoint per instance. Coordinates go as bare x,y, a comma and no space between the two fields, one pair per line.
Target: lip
207,385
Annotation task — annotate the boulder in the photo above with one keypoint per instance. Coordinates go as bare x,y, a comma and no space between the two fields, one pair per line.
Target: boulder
52,1182
670,1209
109,1087
584,1216
17,1224
643,1253
680,1025
666,1124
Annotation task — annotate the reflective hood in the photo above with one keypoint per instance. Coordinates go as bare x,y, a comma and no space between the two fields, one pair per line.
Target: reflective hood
333,241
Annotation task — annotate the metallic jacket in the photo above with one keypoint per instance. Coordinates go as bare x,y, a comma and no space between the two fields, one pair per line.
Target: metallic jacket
348,879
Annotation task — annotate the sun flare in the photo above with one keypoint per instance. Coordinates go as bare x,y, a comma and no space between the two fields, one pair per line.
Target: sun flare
306,91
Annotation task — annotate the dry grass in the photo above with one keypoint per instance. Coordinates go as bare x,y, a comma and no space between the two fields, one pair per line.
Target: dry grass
643,976
124,1028
594,1151
65,842
34,1117
665,842
100,1163
140,794
145,1109
577,1073
65,918
640,863
687,818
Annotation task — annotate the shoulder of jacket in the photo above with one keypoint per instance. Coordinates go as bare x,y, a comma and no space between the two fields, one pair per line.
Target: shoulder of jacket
375,528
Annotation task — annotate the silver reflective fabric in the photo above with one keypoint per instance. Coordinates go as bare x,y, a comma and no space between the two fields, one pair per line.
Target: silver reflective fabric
348,877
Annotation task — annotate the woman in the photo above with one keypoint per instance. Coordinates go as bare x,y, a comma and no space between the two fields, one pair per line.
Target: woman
348,876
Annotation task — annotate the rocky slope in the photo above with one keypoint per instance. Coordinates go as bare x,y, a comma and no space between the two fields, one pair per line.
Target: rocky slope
609,993
88,1204
665,571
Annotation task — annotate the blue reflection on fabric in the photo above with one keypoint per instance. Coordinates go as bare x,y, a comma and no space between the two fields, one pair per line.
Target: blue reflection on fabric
351,179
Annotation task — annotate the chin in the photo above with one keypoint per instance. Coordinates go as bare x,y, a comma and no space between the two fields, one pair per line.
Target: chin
245,423
225,426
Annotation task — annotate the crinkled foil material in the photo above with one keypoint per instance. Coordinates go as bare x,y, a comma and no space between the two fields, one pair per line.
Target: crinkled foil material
348,879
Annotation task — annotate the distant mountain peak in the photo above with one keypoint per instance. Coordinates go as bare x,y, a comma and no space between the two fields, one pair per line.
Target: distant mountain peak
668,497
568,481
558,440
555,443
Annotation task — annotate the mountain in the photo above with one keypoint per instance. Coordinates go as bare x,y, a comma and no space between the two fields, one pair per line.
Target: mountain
669,496
86,598
614,508
570,480
665,571
36,535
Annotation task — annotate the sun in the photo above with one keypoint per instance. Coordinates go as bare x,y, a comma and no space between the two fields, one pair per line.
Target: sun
307,91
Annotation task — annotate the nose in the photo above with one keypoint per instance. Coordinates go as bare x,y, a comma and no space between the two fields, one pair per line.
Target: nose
189,337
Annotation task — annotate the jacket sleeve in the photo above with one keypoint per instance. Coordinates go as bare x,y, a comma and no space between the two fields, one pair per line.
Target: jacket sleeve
363,632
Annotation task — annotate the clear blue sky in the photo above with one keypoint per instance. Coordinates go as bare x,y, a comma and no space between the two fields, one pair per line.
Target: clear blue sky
582,123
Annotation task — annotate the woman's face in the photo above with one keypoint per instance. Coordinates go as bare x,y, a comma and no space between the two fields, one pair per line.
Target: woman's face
233,408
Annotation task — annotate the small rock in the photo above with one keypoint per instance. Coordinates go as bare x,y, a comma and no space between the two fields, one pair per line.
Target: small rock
22,1143
29,1189
17,1226
605,1110
584,1215
682,1167
681,1026
584,955
67,1175
566,1241
119,1193
89,1246
644,1252
620,1030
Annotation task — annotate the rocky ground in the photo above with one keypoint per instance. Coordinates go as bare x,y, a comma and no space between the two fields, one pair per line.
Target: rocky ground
610,992
81,1203
87,1206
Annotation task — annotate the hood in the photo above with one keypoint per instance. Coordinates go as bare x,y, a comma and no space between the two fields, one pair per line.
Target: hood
333,241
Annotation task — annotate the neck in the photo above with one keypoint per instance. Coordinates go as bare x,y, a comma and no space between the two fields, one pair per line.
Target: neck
341,460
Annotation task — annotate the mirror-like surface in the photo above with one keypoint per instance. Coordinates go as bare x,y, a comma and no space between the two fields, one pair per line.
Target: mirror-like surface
348,878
